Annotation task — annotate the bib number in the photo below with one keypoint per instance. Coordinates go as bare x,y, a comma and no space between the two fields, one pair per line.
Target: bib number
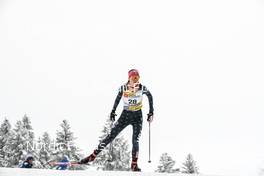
132,101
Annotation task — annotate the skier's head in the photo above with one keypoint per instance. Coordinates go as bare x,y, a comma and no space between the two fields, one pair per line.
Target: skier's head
30,159
133,76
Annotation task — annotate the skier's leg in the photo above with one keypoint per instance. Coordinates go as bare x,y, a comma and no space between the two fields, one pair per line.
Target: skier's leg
121,123
137,127
135,138
116,129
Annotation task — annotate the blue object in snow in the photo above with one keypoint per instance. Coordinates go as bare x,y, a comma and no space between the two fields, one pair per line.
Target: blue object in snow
64,163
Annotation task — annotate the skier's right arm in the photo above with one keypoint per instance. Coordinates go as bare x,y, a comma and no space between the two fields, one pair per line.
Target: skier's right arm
117,100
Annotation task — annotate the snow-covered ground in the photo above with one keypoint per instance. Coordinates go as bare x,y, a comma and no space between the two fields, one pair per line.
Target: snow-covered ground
48,172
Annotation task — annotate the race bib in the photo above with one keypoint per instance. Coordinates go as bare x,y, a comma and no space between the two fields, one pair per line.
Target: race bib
132,100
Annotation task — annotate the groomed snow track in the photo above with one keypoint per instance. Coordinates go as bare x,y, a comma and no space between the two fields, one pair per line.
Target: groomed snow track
48,172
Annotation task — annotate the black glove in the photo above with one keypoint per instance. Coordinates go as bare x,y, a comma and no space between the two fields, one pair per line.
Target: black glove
150,117
112,116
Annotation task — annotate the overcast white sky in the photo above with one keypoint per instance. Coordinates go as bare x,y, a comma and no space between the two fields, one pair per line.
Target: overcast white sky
202,61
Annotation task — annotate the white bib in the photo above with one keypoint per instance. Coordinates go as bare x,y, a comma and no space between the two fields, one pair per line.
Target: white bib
132,100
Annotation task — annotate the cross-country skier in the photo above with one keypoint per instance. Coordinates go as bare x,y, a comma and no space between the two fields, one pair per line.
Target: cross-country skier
132,93
63,163
28,163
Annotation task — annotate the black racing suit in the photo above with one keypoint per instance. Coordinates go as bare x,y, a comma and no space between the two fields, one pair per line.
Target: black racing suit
26,164
126,118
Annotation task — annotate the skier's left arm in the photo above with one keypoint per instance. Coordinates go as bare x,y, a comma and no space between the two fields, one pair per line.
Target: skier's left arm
150,99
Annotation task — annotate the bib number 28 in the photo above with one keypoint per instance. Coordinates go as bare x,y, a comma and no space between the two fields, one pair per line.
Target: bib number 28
132,101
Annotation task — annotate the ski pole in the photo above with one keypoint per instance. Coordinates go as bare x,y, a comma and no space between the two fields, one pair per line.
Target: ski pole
149,144
111,145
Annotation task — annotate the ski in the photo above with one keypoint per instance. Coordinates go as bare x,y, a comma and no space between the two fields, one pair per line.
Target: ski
71,163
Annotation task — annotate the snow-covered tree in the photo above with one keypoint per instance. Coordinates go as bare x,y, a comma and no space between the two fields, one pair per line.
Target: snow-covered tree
45,150
166,164
5,135
22,142
5,130
27,126
189,166
116,156
65,144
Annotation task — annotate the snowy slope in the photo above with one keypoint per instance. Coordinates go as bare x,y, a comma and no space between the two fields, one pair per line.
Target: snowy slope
47,172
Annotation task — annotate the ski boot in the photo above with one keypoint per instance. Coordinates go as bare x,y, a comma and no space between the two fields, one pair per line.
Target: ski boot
88,159
134,166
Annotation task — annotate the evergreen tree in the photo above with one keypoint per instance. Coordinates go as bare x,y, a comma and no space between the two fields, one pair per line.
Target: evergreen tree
116,156
45,150
22,142
29,134
65,144
5,136
166,164
17,144
189,166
